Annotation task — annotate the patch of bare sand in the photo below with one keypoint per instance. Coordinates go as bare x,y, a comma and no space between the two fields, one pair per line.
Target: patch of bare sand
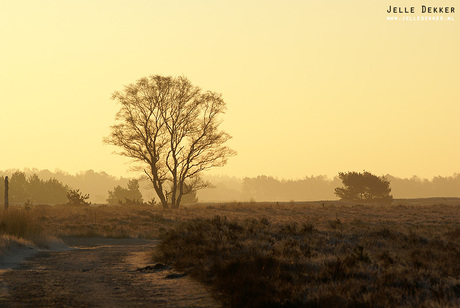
14,251
99,273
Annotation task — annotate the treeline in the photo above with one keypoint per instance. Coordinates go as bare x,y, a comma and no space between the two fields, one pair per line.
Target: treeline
416,187
33,186
44,186
266,188
95,184
33,190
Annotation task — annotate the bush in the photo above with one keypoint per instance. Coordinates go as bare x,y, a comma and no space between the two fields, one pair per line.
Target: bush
126,196
364,187
76,198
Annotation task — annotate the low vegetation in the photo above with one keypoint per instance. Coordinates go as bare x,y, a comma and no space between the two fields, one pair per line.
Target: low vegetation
41,224
139,221
351,260
318,254
21,226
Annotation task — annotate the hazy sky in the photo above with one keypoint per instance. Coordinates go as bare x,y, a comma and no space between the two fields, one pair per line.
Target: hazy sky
312,87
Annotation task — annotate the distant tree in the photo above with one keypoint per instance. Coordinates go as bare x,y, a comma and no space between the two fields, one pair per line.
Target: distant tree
55,192
131,195
171,128
77,198
189,196
36,189
18,192
32,189
364,187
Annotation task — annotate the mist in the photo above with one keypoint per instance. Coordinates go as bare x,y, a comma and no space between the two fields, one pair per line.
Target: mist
261,188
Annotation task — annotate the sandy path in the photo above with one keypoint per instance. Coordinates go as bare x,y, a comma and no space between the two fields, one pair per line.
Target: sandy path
98,273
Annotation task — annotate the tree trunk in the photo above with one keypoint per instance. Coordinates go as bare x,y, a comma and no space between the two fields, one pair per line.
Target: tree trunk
157,186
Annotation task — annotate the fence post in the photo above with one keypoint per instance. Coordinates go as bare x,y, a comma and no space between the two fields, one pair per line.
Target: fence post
6,192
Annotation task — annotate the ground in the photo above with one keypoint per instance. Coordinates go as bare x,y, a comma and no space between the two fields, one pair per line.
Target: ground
326,253
99,272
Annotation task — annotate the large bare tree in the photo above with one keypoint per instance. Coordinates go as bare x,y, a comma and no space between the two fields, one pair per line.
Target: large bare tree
171,128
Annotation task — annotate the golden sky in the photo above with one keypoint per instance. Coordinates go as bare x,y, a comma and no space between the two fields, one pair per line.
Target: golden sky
312,87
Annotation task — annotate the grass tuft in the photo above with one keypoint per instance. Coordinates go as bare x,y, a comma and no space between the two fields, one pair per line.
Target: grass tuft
22,223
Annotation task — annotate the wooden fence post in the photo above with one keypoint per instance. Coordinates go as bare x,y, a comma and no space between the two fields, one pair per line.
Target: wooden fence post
6,193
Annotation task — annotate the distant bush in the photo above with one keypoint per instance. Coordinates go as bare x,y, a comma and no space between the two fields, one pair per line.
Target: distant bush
123,196
77,198
364,187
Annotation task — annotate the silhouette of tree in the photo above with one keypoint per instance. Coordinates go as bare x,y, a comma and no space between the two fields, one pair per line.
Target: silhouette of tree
131,195
18,187
32,189
54,192
263,188
171,128
364,187
77,198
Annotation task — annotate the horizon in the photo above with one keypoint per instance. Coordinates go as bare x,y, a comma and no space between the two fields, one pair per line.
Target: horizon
261,189
206,175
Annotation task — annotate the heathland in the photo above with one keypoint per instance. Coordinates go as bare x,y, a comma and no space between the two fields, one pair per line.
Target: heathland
314,254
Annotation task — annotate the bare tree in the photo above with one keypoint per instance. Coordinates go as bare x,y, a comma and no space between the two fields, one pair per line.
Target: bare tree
172,128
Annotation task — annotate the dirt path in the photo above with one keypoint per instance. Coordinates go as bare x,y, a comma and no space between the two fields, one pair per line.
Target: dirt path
98,273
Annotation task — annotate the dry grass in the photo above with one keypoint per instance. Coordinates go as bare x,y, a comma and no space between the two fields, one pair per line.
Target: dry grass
40,225
324,254
320,255
101,221
17,225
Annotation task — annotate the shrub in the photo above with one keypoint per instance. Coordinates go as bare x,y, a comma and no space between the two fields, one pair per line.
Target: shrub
77,198
123,196
364,187
257,263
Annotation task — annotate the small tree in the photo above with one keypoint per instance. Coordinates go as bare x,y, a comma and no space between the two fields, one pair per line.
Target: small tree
171,128
77,198
19,192
364,187
131,195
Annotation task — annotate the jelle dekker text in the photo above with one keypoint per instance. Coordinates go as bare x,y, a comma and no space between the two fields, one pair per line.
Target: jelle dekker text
423,9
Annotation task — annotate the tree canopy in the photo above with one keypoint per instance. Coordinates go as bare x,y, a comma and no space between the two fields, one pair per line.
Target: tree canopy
32,189
364,187
171,128
130,195
77,198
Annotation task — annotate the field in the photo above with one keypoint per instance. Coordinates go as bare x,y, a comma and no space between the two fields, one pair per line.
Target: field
316,254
